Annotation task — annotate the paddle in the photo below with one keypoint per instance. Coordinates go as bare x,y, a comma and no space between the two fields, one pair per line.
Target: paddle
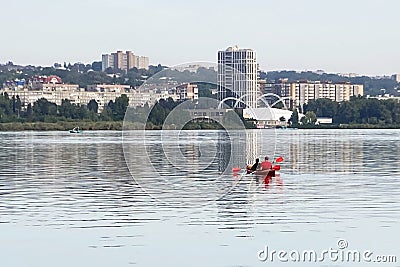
277,160
236,169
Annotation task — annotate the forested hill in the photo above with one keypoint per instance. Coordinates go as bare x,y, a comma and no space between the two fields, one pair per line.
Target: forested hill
372,86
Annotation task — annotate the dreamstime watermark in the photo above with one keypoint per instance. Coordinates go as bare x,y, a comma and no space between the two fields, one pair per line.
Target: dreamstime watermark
339,254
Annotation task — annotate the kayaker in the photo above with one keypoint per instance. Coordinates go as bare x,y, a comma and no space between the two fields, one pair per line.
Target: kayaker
266,164
254,167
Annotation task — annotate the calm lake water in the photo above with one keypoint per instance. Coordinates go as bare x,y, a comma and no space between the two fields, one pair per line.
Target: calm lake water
93,199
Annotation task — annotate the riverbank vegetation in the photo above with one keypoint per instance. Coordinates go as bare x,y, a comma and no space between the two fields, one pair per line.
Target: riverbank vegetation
359,112
45,116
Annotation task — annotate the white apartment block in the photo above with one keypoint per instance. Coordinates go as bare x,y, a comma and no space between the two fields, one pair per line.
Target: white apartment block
300,92
238,75
117,88
103,94
75,95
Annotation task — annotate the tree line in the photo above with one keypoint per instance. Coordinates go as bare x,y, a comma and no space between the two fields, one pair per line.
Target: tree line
358,110
42,110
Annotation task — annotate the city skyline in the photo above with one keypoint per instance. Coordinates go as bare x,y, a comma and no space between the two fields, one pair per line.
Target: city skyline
338,37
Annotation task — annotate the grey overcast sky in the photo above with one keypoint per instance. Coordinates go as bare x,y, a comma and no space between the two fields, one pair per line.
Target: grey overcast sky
361,36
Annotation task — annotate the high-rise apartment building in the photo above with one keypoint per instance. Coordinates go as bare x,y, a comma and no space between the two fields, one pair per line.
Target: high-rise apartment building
107,61
238,75
131,60
142,62
124,61
396,77
118,59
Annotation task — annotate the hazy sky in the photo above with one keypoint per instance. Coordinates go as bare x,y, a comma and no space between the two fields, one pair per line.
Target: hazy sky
336,36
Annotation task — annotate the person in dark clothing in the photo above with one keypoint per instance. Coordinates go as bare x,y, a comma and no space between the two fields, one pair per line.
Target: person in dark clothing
254,167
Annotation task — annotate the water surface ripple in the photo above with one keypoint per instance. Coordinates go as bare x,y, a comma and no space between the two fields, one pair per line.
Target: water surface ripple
73,197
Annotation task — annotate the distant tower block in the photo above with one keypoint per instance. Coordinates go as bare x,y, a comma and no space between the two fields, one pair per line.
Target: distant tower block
124,61
238,75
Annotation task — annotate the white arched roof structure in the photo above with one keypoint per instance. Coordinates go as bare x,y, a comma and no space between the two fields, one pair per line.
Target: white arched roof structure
262,98
231,98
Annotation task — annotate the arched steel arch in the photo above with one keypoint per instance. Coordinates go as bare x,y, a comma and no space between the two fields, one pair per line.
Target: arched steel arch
243,96
231,98
280,99
237,100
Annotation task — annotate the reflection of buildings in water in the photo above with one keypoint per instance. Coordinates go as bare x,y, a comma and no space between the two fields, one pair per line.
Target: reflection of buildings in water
237,148
252,146
311,154
169,157
52,161
114,162
236,210
224,151
191,157
181,153
260,143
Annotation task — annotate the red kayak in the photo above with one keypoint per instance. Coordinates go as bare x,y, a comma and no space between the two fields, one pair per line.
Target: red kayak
269,173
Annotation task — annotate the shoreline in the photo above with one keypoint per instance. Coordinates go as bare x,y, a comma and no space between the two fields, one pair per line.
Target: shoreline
118,126
60,126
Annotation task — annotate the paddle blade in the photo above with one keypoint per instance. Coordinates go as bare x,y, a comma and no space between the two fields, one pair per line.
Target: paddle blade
236,169
276,167
279,159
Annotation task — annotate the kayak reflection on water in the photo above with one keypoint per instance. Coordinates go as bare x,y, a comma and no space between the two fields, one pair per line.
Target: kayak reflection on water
259,177
268,180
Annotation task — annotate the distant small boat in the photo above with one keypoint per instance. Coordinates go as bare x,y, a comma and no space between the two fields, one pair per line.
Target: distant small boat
281,127
76,130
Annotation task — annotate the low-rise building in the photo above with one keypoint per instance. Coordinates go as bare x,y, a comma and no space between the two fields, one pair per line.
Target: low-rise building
52,89
187,91
75,95
102,94
208,115
323,120
268,117
116,88
385,97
